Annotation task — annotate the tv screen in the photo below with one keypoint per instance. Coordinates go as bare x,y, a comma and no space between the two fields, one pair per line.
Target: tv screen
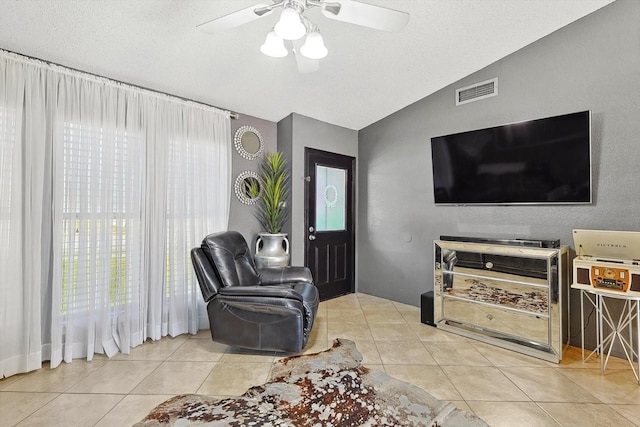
543,161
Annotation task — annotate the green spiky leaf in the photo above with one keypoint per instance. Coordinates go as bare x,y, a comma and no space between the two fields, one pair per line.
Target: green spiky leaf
274,182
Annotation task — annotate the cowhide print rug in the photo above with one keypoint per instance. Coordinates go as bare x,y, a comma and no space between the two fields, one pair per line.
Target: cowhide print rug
330,388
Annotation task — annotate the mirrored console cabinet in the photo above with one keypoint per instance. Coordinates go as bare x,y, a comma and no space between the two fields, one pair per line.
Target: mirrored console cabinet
515,297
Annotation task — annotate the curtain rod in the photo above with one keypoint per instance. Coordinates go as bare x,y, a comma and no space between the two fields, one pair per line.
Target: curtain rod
232,114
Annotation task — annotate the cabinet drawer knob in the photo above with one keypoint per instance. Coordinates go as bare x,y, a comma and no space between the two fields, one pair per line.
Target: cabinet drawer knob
489,264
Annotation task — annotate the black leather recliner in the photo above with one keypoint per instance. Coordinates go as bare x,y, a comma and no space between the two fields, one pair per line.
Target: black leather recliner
259,309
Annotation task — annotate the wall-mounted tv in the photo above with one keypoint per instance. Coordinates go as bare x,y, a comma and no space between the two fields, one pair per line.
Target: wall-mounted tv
542,161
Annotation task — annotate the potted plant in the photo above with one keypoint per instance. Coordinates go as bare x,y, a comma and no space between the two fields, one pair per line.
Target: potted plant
272,246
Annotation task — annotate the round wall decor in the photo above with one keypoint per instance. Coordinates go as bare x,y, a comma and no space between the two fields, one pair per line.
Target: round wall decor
247,187
248,142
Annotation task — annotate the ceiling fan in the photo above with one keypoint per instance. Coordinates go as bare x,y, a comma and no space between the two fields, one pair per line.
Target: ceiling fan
293,25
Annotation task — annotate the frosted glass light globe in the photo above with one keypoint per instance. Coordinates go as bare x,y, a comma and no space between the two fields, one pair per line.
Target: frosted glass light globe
290,26
314,47
274,46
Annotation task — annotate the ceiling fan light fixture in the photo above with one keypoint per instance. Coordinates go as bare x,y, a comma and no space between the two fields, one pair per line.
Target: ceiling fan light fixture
274,46
290,26
314,47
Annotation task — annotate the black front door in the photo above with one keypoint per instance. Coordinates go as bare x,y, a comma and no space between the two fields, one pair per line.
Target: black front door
329,222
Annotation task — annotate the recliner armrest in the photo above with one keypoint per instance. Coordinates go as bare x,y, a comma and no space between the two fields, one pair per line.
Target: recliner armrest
283,275
284,292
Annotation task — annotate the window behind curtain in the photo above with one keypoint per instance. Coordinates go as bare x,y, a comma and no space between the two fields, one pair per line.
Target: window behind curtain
190,175
101,249
84,165
179,212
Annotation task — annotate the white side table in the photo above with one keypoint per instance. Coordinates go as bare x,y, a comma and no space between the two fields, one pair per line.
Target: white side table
620,328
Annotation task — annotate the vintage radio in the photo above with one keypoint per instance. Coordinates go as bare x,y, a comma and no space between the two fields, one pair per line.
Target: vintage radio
619,276
607,260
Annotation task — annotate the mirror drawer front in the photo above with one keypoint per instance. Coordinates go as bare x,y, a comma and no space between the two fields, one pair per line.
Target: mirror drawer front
523,326
526,296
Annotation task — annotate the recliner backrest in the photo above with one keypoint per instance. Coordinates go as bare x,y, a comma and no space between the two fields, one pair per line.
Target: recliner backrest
229,253
206,273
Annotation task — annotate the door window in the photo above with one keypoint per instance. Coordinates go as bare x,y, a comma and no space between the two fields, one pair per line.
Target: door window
330,198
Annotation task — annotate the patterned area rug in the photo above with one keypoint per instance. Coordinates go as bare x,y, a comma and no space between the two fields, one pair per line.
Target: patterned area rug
330,388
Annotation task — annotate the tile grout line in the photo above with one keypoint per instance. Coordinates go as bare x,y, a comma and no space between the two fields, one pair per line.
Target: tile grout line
547,413
124,396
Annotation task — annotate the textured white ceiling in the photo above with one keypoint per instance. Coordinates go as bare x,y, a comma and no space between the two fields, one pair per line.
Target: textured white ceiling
367,75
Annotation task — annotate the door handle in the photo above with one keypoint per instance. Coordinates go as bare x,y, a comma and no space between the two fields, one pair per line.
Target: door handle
312,237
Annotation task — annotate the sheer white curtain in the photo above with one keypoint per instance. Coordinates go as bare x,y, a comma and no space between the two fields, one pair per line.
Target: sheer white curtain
23,260
193,194
122,183
98,177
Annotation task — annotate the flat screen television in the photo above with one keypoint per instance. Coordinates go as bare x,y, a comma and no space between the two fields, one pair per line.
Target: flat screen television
542,161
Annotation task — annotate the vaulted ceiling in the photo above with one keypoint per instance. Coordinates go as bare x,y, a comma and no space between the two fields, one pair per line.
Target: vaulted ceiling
367,75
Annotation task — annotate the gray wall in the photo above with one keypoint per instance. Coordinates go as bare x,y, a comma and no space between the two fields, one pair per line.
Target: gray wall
295,133
241,216
290,135
285,144
592,64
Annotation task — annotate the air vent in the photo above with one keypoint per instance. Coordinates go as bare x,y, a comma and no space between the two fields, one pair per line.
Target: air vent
477,91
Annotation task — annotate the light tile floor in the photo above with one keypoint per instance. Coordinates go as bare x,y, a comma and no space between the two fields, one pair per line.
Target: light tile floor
503,387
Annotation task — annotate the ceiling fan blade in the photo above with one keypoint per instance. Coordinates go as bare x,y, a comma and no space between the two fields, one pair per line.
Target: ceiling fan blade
305,65
235,19
366,15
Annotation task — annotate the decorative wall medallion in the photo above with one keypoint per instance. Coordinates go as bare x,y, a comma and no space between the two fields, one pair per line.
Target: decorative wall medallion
247,187
248,142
